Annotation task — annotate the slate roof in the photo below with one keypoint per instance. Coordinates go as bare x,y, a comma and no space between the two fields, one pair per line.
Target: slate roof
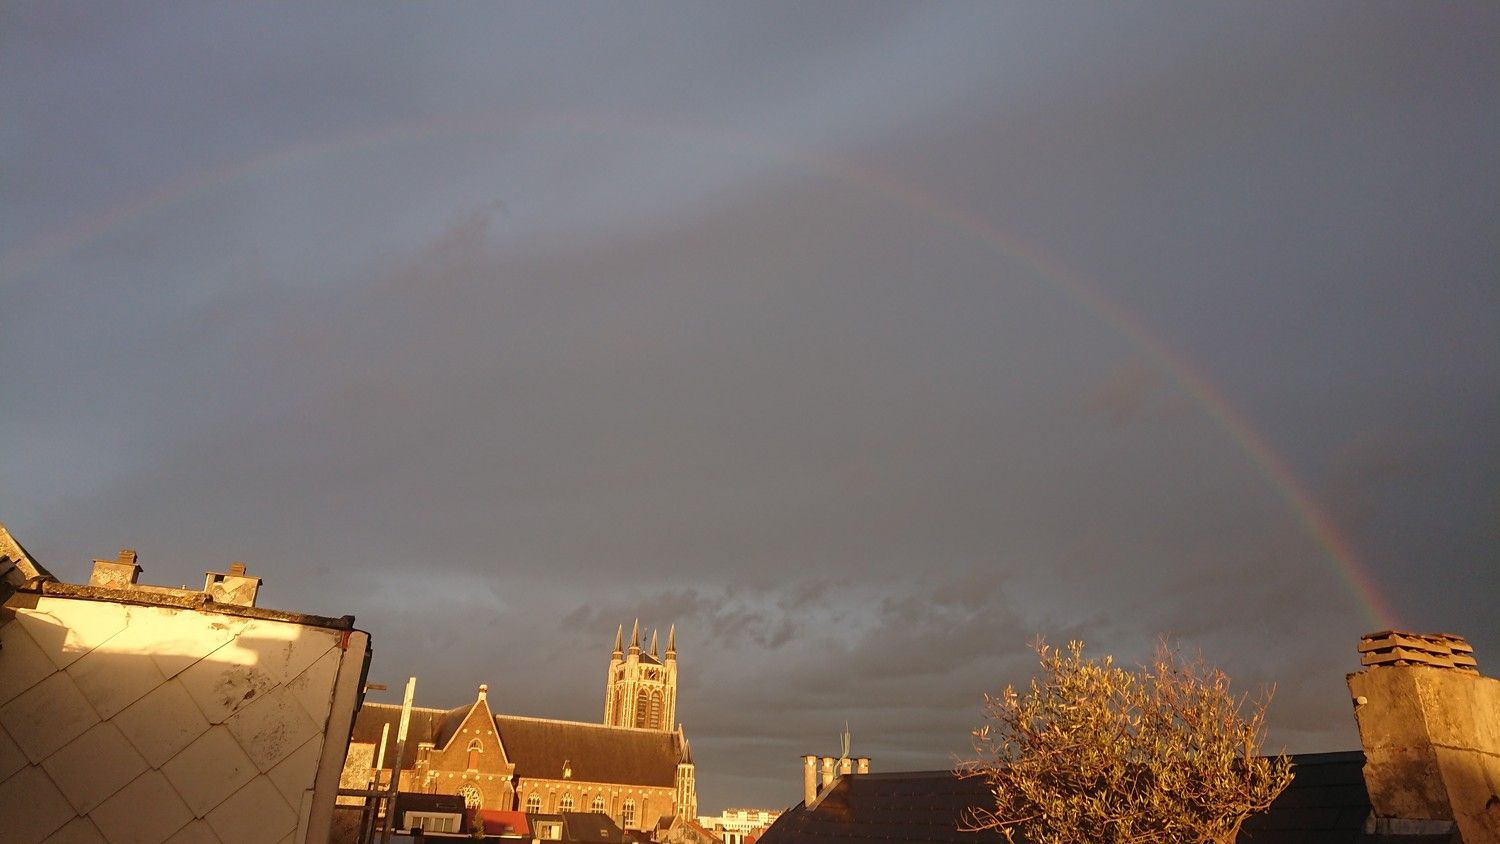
540,748
1325,804
909,806
582,827
426,725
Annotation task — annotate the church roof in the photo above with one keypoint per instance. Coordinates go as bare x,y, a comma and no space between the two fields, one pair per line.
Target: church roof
434,726
541,748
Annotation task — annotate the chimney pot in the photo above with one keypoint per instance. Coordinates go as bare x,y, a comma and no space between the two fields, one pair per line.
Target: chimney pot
809,779
119,573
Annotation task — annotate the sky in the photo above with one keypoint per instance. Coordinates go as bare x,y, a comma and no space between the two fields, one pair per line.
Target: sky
864,342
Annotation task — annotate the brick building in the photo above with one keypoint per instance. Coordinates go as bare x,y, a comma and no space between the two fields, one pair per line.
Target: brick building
641,776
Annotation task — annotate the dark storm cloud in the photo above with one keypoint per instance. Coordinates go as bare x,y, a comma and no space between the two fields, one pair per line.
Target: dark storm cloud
504,328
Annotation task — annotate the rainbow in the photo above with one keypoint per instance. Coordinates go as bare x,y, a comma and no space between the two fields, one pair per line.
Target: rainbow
1267,461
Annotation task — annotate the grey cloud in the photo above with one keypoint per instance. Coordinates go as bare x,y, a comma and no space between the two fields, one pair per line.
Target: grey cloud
1127,395
834,335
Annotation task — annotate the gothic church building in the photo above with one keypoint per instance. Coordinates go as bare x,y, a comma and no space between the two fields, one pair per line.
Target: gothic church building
635,767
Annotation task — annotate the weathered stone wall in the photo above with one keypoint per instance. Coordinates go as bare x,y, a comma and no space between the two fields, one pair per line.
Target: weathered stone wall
1432,745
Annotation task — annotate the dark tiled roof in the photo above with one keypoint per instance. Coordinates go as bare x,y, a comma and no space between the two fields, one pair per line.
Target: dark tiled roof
1326,802
592,827
582,827
595,753
426,725
921,806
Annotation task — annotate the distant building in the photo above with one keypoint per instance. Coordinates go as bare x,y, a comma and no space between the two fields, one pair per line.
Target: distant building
143,713
733,826
642,777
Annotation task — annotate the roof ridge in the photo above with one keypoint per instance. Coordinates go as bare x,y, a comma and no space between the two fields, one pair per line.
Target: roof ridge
397,707
500,715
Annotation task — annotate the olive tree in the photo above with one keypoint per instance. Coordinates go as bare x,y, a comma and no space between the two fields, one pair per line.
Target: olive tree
1096,753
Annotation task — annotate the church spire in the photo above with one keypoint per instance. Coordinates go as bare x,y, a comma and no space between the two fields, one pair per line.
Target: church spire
653,645
635,638
619,634
672,643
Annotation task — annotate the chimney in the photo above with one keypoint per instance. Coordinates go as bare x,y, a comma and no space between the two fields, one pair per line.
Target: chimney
231,587
862,765
827,771
119,573
846,766
809,779
1430,726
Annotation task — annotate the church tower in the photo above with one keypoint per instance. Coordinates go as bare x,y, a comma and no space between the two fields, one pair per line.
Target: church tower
641,689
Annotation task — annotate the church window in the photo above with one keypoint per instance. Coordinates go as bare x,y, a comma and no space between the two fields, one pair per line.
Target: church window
475,748
627,813
566,803
472,798
597,805
534,803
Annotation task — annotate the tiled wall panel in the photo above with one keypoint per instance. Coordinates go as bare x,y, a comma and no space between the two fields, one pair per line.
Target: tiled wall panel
124,723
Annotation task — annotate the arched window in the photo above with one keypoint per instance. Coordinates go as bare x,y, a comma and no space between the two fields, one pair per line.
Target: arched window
566,803
472,798
475,748
655,720
627,813
533,803
641,710
597,805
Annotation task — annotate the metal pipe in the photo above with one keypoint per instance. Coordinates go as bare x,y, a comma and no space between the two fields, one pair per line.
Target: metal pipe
390,806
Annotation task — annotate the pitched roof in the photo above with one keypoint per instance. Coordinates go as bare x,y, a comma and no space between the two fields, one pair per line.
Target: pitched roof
427,725
908,806
1326,802
503,822
540,748
17,567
